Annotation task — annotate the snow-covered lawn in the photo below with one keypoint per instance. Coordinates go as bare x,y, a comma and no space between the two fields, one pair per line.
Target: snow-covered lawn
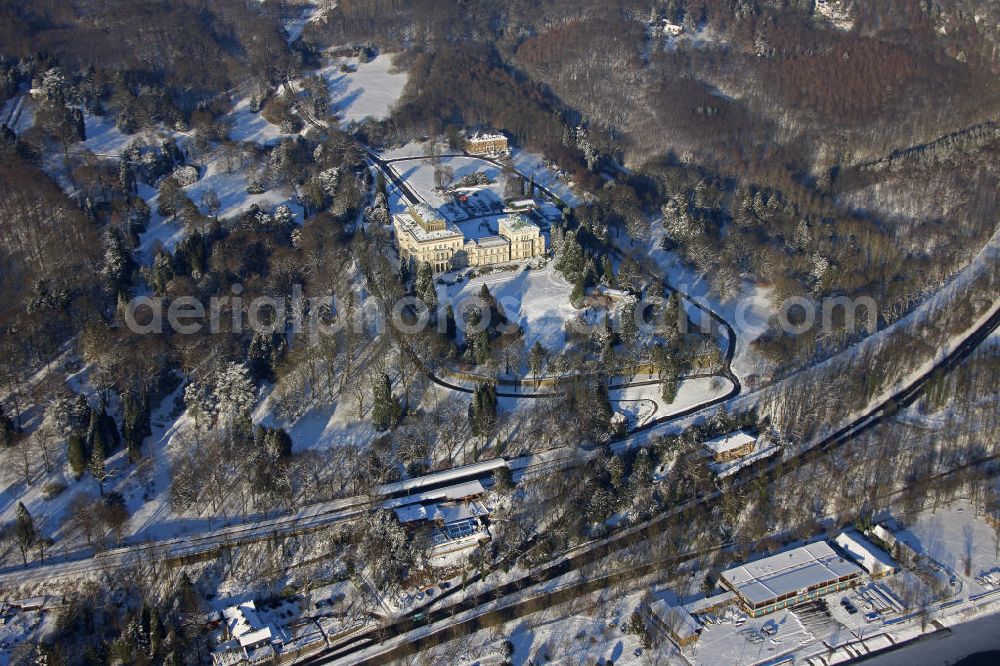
245,125
577,639
951,535
636,401
533,165
419,175
331,427
104,138
231,188
537,300
371,90
146,491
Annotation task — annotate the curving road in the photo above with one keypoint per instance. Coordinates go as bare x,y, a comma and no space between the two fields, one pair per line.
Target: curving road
593,551
411,197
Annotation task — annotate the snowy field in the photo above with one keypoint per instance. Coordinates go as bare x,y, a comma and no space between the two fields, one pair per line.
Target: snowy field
246,125
419,174
644,403
951,535
537,300
533,165
577,639
231,188
369,91
325,427
145,489
295,26
104,138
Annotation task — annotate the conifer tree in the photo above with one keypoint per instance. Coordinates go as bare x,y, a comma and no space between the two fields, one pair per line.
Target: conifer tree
536,358
8,429
450,327
483,410
76,454
135,423
385,409
628,330
98,455
24,531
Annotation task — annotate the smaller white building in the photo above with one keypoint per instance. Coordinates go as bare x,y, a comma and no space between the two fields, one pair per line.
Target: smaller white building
670,29
675,621
521,206
870,557
251,641
731,446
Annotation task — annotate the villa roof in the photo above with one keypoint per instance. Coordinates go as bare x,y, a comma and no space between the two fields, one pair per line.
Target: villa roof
517,223
411,226
487,136
487,241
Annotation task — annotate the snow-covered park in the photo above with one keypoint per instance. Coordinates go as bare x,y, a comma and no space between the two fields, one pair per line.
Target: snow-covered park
642,404
535,299
368,90
411,163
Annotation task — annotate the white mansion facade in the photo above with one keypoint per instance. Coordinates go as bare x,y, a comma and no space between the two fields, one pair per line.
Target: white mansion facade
422,235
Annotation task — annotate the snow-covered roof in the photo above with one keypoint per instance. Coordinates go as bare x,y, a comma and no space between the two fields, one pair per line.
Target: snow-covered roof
882,534
733,440
516,222
255,637
260,654
872,559
456,473
228,654
242,619
456,492
523,203
701,605
456,512
676,618
31,603
490,241
411,513
486,136
788,572
412,227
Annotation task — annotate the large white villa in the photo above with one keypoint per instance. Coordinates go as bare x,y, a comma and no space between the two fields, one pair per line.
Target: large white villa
423,235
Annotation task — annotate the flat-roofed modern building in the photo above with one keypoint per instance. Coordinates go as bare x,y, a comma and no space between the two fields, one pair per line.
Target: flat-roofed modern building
791,577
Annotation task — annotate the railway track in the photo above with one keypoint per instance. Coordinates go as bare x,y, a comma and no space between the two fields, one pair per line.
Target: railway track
594,551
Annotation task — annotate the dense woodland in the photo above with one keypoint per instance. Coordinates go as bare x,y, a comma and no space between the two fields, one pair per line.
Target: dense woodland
766,146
